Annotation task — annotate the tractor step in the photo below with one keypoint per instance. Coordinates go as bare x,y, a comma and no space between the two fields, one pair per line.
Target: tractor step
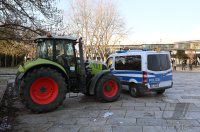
73,95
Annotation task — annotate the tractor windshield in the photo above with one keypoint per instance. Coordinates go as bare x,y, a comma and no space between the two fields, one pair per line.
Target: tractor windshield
45,49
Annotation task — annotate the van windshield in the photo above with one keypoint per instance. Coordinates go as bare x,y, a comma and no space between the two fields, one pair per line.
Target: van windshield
158,62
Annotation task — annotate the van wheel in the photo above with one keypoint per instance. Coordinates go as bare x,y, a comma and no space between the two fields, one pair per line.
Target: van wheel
135,90
160,91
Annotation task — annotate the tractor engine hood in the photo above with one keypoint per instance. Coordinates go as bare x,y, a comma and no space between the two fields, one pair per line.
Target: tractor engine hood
95,66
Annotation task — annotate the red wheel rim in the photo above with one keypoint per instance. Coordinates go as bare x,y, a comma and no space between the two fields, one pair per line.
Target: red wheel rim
44,90
110,88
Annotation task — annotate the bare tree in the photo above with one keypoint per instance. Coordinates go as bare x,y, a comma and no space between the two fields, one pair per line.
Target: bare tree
99,23
21,19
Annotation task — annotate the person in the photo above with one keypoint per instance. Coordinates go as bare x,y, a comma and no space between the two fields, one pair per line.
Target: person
174,65
172,61
190,64
184,64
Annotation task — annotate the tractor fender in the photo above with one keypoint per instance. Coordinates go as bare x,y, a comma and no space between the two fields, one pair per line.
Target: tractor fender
63,72
31,64
95,80
23,70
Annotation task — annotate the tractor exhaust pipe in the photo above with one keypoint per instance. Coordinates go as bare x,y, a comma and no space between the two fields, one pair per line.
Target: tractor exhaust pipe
82,68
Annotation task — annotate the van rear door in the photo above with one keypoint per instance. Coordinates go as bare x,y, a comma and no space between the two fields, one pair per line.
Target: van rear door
159,71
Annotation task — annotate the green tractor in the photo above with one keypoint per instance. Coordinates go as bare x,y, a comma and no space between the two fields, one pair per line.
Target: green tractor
58,69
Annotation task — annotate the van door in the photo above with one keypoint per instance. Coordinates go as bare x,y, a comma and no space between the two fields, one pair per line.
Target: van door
159,71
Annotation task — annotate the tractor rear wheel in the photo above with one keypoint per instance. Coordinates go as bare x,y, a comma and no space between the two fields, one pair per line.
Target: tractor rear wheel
108,88
43,89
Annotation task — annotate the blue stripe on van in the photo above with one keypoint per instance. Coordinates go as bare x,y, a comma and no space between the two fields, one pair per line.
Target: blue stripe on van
158,77
124,75
126,79
126,72
158,73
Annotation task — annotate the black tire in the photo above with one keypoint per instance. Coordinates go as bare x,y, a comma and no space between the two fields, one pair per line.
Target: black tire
108,88
134,90
27,93
87,93
160,91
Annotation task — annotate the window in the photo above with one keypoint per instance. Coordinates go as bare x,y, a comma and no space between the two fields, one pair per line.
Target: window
153,62
64,48
158,62
165,62
45,49
128,63
50,50
65,53
69,49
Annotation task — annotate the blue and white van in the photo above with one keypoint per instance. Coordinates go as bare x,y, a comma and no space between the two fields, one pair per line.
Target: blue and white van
142,70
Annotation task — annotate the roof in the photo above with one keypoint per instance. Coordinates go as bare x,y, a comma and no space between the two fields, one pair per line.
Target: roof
57,37
187,42
138,52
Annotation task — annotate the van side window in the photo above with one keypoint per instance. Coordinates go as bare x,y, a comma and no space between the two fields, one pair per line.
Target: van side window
128,62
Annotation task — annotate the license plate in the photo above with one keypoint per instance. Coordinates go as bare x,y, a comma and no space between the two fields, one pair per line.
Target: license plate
155,85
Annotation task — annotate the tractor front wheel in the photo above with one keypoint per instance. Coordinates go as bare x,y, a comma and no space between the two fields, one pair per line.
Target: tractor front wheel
43,89
108,88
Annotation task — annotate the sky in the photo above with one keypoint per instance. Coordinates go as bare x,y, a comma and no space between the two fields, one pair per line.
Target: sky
158,21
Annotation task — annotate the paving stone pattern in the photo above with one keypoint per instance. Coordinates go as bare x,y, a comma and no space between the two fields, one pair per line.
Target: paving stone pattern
3,83
177,110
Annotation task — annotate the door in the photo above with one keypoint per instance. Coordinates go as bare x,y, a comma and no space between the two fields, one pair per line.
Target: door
128,68
65,55
159,70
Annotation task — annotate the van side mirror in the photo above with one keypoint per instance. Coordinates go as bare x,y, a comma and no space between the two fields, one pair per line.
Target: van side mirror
111,68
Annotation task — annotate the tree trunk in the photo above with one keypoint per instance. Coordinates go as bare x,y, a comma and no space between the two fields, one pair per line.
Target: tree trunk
12,61
0,60
16,60
5,60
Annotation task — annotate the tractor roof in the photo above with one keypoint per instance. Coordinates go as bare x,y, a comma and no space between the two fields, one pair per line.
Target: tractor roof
56,37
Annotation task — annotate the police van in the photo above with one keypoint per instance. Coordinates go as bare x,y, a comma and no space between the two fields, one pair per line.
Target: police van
142,70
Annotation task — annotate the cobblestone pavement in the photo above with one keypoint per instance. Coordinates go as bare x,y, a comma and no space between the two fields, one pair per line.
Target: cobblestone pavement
3,83
178,109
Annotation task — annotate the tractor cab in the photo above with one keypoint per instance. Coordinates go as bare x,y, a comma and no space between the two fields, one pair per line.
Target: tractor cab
57,49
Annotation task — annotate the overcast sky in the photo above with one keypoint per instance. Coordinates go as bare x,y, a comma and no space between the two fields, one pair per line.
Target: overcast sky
155,21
